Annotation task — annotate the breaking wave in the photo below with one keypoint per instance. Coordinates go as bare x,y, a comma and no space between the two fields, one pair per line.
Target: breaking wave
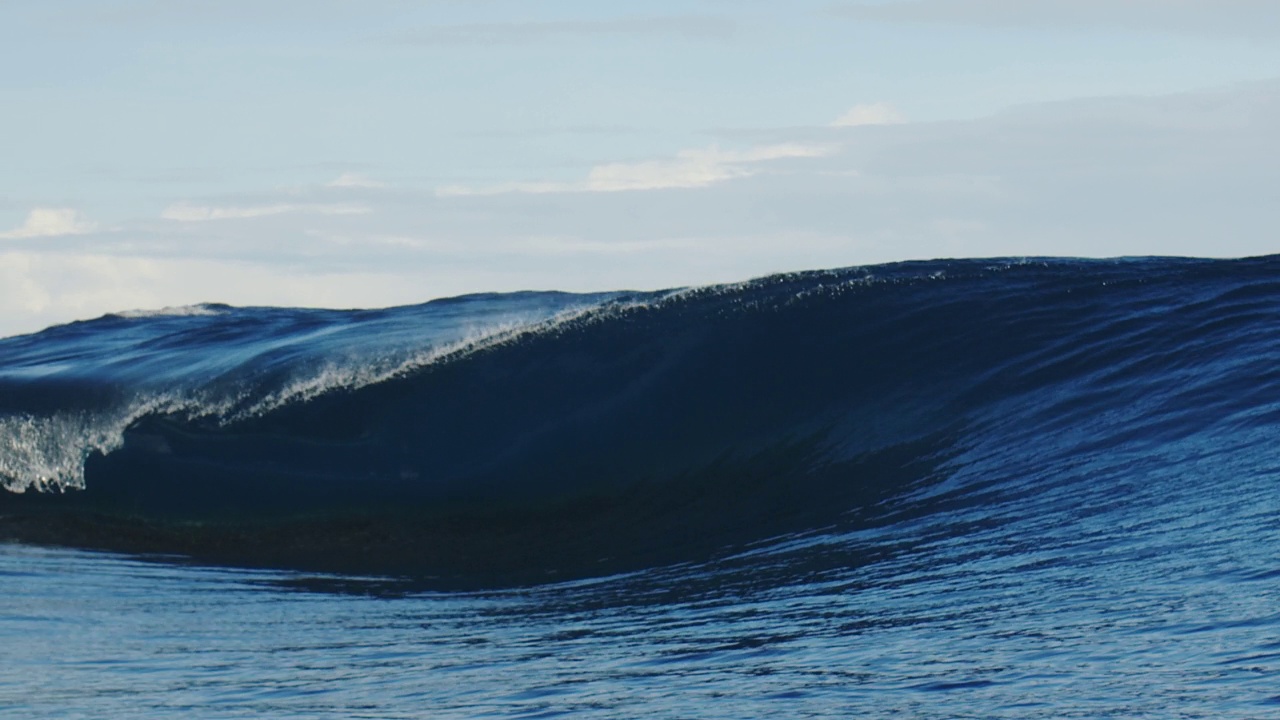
508,437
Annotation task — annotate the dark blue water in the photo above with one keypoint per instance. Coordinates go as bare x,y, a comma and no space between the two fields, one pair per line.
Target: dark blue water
950,489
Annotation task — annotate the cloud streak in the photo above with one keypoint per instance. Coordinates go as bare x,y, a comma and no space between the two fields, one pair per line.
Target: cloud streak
880,113
700,27
50,222
692,168
187,212
1232,18
355,180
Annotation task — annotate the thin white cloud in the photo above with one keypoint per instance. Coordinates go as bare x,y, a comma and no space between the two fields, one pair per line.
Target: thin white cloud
50,222
693,168
544,245
186,212
525,246
354,180
880,113
1240,18
500,33
528,188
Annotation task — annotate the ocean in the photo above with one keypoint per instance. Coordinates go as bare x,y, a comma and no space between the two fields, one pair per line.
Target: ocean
1012,488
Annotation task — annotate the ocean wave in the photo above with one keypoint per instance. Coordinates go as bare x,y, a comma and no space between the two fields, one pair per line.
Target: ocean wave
512,436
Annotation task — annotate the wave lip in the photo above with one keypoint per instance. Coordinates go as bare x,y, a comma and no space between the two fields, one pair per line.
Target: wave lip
200,309
519,437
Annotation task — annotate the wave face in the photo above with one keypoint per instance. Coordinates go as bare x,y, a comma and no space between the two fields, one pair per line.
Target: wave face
510,438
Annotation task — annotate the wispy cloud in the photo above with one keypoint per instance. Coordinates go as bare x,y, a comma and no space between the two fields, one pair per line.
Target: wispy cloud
523,246
1248,18
880,113
185,212
354,180
530,188
693,168
50,222
691,26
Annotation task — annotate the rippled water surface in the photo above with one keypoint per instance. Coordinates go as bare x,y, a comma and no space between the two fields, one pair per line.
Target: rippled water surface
1130,602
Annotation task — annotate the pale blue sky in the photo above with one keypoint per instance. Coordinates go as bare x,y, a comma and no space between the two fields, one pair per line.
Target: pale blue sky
344,153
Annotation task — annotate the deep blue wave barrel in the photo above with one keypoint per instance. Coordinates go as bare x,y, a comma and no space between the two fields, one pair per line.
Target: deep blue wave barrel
510,439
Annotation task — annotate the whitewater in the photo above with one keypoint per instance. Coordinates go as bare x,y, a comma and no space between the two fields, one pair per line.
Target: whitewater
1015,488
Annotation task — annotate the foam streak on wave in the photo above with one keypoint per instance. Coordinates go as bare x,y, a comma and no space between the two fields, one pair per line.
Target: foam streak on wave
46,452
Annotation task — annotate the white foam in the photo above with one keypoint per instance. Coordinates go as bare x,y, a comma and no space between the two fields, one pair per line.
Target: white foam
175,311
363,371
48,453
